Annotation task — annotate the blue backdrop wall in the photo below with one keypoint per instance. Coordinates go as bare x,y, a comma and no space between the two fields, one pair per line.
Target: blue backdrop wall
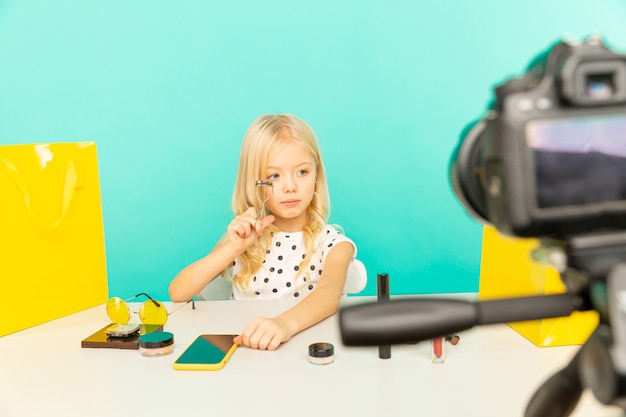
168,88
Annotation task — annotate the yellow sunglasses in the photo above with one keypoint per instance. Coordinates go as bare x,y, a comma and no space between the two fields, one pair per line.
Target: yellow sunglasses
150,312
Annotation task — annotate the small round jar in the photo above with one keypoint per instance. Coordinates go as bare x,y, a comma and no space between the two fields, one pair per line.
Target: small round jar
321,353
156,344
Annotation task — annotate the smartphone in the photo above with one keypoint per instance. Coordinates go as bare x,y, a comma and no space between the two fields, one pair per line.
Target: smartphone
209,352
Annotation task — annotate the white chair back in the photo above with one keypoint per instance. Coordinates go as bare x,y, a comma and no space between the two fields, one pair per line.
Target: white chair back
356,279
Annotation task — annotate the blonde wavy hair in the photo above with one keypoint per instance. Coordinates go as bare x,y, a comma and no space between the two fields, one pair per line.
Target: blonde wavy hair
265,137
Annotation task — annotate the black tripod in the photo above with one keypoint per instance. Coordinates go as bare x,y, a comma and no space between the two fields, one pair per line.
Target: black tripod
597,273
592,267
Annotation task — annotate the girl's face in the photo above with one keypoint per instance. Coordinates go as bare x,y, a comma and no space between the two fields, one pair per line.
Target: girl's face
293,174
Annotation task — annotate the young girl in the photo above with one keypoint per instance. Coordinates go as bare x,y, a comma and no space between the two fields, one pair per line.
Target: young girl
290,251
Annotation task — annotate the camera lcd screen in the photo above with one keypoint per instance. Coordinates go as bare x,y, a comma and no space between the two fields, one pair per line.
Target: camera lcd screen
579,161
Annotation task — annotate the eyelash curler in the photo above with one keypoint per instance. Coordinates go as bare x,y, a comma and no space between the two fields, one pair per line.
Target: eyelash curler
260,186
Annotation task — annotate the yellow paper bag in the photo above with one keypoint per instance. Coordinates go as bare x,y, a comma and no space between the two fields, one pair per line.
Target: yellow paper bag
52,258
507,270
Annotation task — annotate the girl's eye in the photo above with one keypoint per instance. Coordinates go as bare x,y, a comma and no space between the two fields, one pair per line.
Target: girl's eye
272,177
303,172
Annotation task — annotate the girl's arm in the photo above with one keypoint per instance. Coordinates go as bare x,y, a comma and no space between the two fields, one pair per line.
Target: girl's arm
193,278
240,234
265,333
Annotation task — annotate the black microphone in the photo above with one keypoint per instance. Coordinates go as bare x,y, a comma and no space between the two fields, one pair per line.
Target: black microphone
413,320
384,351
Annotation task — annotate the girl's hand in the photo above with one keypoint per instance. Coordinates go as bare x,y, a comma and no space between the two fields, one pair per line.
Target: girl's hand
264,333
245,229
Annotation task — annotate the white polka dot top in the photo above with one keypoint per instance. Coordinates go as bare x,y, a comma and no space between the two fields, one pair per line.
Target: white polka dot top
277,276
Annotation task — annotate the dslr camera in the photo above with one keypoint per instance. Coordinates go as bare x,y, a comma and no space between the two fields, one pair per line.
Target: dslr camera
548,161
549,157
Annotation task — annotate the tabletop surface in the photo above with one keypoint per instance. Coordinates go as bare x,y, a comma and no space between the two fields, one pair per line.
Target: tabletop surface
493,371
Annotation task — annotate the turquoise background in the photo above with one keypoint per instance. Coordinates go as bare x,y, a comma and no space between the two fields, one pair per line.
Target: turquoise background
168,88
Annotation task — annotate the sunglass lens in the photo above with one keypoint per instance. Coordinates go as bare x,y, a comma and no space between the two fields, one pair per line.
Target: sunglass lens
149,313
118,311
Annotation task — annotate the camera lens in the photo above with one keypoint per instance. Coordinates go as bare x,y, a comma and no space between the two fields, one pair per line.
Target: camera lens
466,171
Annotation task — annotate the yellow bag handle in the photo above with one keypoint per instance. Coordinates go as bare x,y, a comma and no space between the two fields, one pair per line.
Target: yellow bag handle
68,191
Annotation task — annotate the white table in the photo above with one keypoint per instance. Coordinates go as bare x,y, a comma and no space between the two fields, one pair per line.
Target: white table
492,372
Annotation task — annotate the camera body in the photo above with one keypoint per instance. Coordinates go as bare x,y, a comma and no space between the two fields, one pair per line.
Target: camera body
549,158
